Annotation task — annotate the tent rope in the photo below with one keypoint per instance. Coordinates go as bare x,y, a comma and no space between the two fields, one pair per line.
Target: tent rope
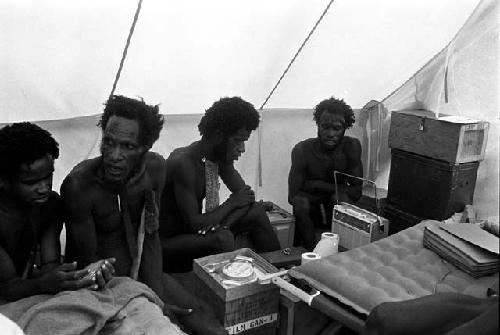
297,53
125,50
259,155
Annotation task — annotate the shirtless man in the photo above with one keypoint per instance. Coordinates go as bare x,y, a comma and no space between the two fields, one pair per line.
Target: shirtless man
186,232
311,179
112,202
30,217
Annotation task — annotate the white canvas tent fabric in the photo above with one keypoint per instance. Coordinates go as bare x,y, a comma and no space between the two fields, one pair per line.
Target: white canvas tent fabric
462,79
58,60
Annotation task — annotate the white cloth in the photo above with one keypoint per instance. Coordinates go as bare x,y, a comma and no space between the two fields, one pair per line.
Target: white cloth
9,327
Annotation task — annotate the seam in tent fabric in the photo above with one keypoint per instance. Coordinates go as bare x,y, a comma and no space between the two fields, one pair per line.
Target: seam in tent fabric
437,54
297,53
259,130
125,50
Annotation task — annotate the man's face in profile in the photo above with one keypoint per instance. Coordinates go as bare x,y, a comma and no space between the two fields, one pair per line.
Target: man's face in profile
233,146
34,182
120,149
331,129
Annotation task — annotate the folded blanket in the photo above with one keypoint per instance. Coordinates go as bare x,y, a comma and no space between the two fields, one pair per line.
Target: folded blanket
124,307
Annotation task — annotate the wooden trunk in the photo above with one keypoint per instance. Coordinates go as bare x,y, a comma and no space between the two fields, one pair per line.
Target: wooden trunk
429,188
247,309
449,138
398,219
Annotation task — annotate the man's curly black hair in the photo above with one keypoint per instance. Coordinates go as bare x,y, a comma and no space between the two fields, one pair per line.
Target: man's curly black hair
335,106
149,117
228,115
23,143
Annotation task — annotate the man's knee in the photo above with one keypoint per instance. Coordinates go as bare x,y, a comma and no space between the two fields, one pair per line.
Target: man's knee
223,240
301,205
257,213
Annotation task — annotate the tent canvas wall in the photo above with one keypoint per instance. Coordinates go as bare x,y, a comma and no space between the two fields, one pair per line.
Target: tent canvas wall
58,59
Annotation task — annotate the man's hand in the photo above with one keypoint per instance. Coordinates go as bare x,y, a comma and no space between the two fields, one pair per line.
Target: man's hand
211,228
242,198
101,271
64,278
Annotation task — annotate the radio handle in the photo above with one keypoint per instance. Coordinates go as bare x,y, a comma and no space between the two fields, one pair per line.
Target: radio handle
377,202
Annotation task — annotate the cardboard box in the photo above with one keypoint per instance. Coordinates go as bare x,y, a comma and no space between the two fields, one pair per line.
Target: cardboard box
450,138
283,224
247,309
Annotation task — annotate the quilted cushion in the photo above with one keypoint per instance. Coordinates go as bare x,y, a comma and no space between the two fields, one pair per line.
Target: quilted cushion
395,268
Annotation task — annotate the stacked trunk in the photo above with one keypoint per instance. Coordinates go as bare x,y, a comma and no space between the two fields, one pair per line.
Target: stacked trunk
434,163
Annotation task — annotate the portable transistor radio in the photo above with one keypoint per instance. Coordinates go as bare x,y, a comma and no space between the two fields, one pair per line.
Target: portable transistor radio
357,226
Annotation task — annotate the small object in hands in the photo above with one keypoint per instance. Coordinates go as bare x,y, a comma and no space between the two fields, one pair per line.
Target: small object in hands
93,268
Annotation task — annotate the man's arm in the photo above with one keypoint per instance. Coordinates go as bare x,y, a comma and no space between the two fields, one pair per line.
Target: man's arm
231,178
297,178
13,287
352,152
62,277
79,221
184,181
50,246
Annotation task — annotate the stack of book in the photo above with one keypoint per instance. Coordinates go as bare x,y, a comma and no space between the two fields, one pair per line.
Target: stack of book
467,246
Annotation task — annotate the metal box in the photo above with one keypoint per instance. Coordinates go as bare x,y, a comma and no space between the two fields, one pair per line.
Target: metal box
283,224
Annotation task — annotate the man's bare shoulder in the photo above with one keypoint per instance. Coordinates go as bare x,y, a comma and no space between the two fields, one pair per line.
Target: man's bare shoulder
351,143
304,146
82,176
180,159
155,162
306,143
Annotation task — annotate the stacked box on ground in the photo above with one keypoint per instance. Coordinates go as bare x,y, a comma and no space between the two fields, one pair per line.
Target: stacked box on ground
248,309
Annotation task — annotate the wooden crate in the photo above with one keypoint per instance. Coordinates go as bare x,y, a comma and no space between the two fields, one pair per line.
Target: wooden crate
248,309
283,224
445,138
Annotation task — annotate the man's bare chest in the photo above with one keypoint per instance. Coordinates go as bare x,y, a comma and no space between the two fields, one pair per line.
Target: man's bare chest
108,210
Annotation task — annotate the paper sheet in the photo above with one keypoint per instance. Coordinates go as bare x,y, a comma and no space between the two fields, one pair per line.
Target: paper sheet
474,234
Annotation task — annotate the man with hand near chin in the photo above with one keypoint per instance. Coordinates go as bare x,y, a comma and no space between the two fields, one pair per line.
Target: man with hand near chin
311,179
193,175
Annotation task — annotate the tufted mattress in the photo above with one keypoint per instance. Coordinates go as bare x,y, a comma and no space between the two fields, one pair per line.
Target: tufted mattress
392,269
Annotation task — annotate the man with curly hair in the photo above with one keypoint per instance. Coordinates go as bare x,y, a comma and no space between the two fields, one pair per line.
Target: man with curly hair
31,217
112,204
192,175
311,178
